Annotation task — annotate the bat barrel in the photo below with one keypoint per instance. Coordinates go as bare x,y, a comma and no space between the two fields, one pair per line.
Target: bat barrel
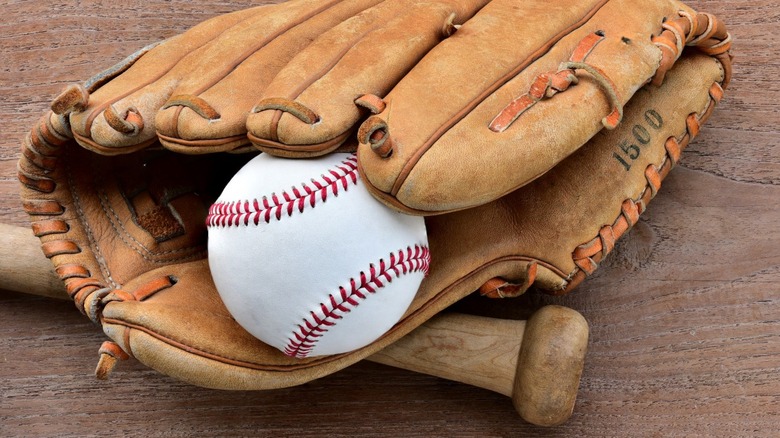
550,364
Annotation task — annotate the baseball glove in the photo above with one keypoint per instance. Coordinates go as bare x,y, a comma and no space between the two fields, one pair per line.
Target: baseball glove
117,181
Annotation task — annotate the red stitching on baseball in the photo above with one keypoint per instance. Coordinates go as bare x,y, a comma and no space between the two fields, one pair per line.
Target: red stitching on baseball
304,339
245,212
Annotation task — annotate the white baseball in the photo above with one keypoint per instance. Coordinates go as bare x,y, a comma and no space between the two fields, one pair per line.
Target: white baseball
306,260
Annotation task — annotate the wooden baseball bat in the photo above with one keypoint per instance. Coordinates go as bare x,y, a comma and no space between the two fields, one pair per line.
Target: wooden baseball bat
538,363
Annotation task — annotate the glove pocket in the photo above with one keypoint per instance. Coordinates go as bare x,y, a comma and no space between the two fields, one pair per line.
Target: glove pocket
172,320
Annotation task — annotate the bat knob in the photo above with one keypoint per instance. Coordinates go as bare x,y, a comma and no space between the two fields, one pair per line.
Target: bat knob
549,367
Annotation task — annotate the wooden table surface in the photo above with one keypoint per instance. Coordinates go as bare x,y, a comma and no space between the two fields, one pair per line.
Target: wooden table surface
685,315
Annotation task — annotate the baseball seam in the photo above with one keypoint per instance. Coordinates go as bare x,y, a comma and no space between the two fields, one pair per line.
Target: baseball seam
276,206
305,337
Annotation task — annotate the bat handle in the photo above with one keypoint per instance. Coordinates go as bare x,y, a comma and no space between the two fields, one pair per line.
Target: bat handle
538,363
24,267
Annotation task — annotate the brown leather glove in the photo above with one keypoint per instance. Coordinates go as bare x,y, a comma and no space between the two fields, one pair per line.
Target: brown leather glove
125,229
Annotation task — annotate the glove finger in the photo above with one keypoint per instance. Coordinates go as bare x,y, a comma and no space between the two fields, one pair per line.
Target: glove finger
536,91
114,112
310,107
122,115
208,109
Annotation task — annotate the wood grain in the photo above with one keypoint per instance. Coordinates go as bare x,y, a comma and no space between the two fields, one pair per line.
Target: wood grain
684,315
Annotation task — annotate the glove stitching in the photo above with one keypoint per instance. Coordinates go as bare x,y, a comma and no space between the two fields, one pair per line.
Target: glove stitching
712,39
98,80
128,238
547,85
45,140
99,258
587,256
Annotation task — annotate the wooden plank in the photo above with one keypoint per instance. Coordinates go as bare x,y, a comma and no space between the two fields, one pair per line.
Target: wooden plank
683,315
